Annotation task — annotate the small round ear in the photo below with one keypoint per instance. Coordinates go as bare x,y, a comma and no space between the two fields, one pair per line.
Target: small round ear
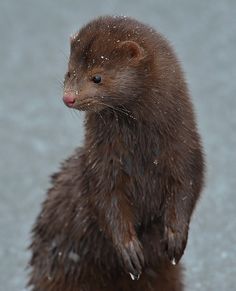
132,50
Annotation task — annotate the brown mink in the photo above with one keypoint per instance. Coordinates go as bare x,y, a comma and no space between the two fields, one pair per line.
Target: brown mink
118,212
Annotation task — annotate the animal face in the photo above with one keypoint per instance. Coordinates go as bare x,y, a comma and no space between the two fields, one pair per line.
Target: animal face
101,76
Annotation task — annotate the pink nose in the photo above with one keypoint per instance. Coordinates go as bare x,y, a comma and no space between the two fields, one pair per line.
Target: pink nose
69,99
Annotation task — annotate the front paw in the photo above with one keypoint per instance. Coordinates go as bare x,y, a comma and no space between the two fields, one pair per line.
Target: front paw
175,240
132,257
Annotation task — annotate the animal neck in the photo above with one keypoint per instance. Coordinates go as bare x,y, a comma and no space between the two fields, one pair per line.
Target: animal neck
116,131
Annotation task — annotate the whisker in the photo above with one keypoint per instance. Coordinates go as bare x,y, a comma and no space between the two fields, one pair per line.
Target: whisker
64,55
75,113
71,113
101,116
119,110
127,113
97,112
78,113
125,109
59,82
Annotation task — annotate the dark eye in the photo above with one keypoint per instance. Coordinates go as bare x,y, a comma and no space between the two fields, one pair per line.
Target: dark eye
96,79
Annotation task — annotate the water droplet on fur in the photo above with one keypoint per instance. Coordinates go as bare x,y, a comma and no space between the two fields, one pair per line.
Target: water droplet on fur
118,40
191,183
76,92
134,277
93,165
49,277
73,256
173,262
60,254
102,57
155,162
54,244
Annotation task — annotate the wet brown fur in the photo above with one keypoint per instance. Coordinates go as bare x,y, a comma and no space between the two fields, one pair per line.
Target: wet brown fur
122,203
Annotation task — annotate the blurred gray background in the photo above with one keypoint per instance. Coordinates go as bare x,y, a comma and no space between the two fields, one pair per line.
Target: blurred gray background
37,131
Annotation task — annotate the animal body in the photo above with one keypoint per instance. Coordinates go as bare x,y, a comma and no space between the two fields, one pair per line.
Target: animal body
117,214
